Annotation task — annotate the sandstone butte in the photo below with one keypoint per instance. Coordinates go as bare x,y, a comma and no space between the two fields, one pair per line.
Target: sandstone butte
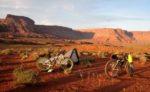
21,26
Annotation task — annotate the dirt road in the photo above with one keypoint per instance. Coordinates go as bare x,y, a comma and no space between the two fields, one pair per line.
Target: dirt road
82,79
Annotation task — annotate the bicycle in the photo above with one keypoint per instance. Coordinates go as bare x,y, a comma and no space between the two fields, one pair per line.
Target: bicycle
116,65
65,63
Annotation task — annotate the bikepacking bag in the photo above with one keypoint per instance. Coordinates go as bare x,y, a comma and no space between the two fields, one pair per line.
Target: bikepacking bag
130,60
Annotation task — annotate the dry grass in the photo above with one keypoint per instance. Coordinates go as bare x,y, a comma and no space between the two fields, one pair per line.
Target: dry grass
143,58
24,55
25,77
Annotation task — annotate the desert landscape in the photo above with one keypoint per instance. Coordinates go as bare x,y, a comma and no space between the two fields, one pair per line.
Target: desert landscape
22,42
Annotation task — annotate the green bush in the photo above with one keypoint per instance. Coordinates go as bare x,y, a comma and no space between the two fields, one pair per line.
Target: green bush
86,61
24,55
25,77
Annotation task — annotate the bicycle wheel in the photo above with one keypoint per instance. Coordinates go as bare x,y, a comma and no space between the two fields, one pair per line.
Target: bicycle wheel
112,69
129,69
43,64
67,65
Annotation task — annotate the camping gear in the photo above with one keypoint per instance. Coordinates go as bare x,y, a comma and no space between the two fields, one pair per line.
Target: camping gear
73,54
48,64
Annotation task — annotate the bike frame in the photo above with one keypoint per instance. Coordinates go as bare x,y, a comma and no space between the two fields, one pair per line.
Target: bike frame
118,61
54,59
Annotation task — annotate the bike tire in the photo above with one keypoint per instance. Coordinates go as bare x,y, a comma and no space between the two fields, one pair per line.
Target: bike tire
110,74
67,68
129,69
43,64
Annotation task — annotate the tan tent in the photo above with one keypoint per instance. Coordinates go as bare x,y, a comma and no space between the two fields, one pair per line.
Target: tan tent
73,54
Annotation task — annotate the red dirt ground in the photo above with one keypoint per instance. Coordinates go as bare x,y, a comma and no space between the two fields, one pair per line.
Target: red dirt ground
93,80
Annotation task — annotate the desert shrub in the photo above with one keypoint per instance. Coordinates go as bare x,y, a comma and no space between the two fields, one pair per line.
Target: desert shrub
94,53
34,56
86,61
85,53
106,54
29,49
6,51
102,54
142,56
99,53
25,77
136,55
60,50
24,55
43,51
143,59
19,51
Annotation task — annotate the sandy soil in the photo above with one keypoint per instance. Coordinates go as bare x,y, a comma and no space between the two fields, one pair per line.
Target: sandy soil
82,79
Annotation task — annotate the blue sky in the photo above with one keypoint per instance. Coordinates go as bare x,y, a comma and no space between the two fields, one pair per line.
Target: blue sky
132,15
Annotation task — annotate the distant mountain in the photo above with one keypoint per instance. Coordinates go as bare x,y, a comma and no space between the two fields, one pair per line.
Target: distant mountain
109,35
17,26
141,36
21,26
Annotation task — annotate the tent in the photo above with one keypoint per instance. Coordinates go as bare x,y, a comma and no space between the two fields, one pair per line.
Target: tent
73,54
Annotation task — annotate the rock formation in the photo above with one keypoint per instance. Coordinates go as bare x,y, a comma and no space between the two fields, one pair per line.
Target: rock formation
21,26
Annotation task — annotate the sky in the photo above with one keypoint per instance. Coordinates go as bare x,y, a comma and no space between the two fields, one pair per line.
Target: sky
131,15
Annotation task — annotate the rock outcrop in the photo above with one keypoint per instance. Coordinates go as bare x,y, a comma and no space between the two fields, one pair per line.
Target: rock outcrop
21,26
109,35
63,32
17,26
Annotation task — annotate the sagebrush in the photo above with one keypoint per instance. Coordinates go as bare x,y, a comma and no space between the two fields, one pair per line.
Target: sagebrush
25,77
